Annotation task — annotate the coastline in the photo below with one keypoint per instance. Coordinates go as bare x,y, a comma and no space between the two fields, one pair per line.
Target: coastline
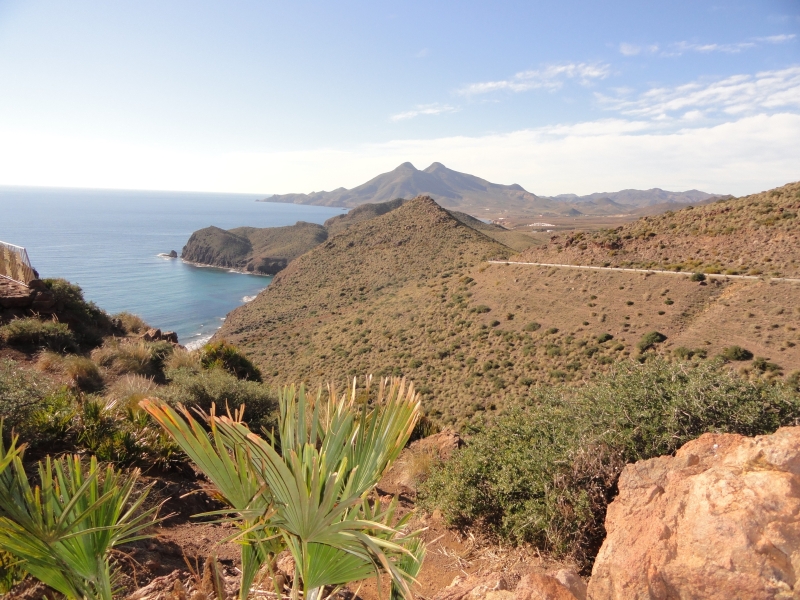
228,269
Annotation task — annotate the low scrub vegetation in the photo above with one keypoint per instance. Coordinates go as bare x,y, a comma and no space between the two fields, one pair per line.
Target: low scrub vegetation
31,333
545,472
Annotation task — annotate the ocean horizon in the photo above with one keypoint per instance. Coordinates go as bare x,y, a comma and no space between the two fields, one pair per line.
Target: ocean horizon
114,245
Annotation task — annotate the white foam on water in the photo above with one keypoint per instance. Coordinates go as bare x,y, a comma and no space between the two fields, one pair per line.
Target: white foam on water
248,298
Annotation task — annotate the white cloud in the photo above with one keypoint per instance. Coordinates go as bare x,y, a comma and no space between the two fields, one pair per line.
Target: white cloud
736,95
423,109
422,53
680,48
742,156
550,77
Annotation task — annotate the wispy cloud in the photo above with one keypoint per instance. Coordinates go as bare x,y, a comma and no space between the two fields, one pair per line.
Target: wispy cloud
733,96
684,47
423,109
550,77
422,53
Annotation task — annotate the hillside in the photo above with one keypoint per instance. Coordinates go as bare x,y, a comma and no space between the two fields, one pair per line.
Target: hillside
468,193
257,250
409,293
360,213
268,250
752,235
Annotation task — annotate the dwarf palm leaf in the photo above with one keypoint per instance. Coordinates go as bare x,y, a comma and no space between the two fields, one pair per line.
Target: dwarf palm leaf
63,530
317,472
229,468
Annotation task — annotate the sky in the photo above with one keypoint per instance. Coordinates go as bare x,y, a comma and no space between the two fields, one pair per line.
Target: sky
263,96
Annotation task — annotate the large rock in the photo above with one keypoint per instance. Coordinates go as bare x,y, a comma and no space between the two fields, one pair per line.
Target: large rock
721,519
508,586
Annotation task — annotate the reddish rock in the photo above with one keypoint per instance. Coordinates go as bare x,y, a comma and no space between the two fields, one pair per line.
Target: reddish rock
151,335
505,586
720,520
442,443
541,587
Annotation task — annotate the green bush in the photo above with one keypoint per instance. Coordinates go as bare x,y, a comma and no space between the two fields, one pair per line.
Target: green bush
649,340
227,356
545,473
32,333
604,337
88,322
533,326
22,393
217,386
697,277
482,308
736,353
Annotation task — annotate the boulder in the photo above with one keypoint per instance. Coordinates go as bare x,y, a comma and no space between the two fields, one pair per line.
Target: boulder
441,444
719,520
151,335
173,254
505,586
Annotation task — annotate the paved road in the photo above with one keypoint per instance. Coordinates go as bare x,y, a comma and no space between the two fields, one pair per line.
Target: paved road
684,273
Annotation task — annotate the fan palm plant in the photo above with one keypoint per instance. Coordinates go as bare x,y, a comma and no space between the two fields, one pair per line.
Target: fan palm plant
307,488
63,530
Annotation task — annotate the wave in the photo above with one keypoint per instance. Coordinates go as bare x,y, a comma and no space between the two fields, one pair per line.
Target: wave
199,342
248,298
164,255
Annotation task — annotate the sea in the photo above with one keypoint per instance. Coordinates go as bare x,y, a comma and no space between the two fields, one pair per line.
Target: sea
114,245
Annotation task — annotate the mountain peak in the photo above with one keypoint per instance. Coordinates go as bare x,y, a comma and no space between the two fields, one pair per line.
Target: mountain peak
406,165
435,167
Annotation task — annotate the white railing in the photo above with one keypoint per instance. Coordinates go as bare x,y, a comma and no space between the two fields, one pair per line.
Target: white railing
15,264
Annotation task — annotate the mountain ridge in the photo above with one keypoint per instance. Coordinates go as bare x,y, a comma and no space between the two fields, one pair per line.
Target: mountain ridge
468,193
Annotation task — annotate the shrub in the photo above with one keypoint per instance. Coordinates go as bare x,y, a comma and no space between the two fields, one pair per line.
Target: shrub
494,323
736,353
22,393
181,359
532,326
131,323
217,386
482,308
551,331
228,357
88,322
604,337
32,333
649,340
545,472
137,357
697,277
762,364
83,373
415,363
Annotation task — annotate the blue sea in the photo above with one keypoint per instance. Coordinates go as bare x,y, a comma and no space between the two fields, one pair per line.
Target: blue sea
109,242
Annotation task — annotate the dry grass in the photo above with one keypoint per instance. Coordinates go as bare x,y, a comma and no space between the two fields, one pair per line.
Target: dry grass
183,359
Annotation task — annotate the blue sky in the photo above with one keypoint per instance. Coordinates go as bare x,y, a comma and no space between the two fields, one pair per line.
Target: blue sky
298,96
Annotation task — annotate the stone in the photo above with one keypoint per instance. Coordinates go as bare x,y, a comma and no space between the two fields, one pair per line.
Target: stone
505,586
170,336
572,581
151,335
173,254
541,587
719,520
441,444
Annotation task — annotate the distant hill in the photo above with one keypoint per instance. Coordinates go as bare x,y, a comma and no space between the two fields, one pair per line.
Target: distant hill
468,193
410,292
624,199
756,234
257,250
